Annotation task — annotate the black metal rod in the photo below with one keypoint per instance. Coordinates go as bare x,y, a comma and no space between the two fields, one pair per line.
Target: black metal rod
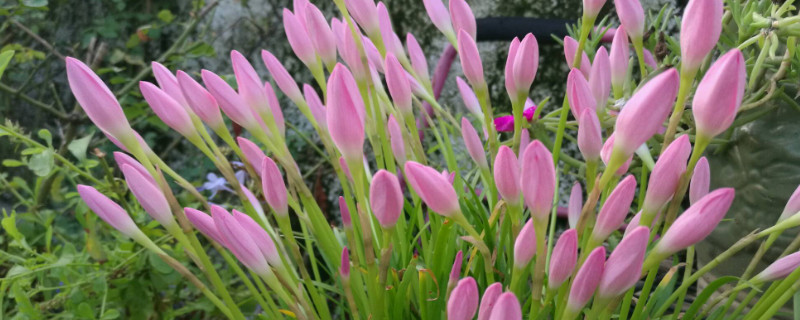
506,28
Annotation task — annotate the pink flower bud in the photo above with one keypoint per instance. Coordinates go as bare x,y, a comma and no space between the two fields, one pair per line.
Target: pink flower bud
462,17
579,94
344,102
343,164
697,222
238,240
608,33
667,174
590,138
230,102
124,159
433,188
167,109
649,59
624,265
615,209
254,202
396,139
108,210
320,33
563,260
506,175
299,10
719,94
273,187
275,108
701,181
511,87
149,195
645,112
365,13
456,270
386,198
506,307
473,143
525,245
469,97
600,78
347,48
592,7
260,237
635,222
200,100
529,109
96,99
418,60
620,53
168,83
701,25
526,63
587,279
470,58
390,39
792,206
281,76
631,15
253,155
345,212
258,96
605,154
463,302
204,223
538,179
779,269
489,299
439,15
398,84
570,47
344,268
575,205
318,110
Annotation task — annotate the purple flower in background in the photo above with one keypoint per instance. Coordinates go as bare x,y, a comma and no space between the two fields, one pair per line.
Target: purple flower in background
216,183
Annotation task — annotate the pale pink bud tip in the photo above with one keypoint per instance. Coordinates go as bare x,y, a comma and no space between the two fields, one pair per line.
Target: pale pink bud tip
345,212
720,94
473,143
298,38
590,137
592,7
200,100
779,269
433,188
345,114
667,173
273,187
439,15
631,15
398,84
587,279
149,195
701,182
538,179
456,270
344,269
562,262
525,245
463,302
620,53
124,159
600,78
108,210
701,26
167,109
624,265
697,222
462,17
396,139
260,237
489,299
615,209
506,308
526,63
386,198
96,99
204,223
365,13
320,32
238,240
252,153
506,175
645,113
470,59
575,205
792,206
570,48
579,94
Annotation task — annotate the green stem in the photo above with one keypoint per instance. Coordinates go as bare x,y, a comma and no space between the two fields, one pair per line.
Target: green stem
538,272
687,79
638,46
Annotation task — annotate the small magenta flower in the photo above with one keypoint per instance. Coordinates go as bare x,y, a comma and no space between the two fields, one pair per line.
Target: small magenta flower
563,260
779,269
701,181
97,100
433,188
238,240
506,307
463,302
489,299
590,137
365,13
455,271
624,265
473,143
719,94
620,53
282,77
399,88
253,155
579,94
149,195
696,223
586,280
345,212
792,206
600,78
204,223
631,15
470,59
570,47
575,205
615,209
273,187
260,237
644,114
200,100
525,245
538,179
701,25
344,268
667,174
168,110
506,175
386,198
345,114
320,33
109,211
440,16
396,139
418,60
462,18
